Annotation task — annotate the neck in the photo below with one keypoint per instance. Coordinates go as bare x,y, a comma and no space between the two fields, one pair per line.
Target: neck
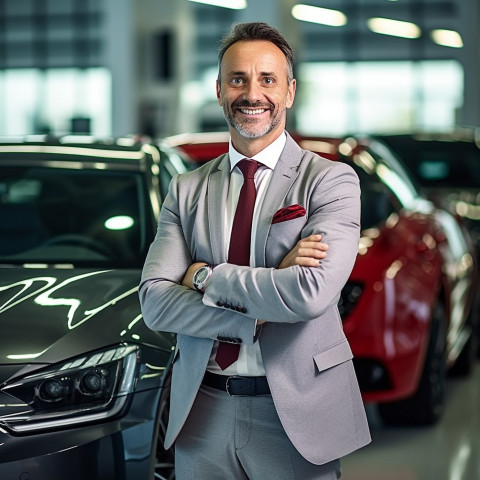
251,146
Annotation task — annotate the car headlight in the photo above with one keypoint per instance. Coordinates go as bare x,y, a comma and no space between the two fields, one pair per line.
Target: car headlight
83,389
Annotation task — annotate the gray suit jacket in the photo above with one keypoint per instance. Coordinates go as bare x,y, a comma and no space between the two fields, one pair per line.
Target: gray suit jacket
306,355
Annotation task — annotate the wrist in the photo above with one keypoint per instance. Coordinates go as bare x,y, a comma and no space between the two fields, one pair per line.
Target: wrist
201,277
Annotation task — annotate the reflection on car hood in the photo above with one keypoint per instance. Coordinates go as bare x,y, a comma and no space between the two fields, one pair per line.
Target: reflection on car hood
50,314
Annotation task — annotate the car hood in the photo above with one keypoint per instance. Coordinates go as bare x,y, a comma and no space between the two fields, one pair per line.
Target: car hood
47,315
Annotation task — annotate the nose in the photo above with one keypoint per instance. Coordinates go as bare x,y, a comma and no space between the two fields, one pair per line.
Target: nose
252,92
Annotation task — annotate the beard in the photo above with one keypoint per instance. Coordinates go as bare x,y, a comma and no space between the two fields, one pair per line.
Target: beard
249,128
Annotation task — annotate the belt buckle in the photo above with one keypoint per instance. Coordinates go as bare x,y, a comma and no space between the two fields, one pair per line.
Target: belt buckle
227,386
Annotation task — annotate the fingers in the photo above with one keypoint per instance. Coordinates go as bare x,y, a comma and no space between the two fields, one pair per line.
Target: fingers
311,247
308,257
308,252
312,239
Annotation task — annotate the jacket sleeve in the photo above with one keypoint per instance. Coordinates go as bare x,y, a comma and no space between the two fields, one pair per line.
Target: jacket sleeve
166,304
301,293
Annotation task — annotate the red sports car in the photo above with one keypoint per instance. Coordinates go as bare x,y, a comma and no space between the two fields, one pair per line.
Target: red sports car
407,307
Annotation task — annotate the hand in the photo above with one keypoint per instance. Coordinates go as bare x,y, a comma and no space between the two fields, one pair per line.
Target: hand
308,252
188,277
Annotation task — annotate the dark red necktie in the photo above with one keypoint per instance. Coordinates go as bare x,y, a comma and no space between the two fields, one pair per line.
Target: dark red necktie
240,238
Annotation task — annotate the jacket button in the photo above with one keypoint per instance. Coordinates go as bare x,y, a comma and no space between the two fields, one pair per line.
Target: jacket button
220,304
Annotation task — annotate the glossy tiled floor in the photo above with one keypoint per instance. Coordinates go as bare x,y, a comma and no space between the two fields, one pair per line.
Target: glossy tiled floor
448,451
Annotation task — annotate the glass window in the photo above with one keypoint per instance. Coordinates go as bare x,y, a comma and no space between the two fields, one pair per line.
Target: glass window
335,98
56,101
73,216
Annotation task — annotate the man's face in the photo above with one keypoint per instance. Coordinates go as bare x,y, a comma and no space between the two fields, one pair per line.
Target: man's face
254,90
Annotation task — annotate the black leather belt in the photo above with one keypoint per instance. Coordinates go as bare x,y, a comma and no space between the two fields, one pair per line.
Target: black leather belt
236,385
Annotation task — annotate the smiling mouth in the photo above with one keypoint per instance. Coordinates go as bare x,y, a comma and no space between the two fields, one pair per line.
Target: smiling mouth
256,111
252,108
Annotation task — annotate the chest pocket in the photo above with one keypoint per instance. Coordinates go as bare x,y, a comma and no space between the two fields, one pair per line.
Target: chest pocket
282,237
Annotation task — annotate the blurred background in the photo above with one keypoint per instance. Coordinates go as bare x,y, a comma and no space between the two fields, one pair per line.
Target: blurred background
146,69
117,67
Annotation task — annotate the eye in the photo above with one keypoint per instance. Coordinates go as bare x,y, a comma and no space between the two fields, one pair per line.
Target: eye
269,80
236,81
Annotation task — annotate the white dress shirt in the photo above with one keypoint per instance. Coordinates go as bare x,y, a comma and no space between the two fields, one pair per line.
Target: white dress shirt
249,361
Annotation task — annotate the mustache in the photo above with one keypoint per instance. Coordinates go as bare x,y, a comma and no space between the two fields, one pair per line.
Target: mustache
247,104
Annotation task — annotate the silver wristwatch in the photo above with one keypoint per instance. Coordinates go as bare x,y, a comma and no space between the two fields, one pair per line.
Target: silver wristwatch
201,276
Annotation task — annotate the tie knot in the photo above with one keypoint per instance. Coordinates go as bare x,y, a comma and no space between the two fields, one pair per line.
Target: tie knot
248,167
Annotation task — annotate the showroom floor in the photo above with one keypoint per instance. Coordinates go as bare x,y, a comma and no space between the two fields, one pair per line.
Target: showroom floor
448,451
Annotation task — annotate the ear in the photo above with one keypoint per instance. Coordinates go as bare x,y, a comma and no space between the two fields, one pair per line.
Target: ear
291,93
219,94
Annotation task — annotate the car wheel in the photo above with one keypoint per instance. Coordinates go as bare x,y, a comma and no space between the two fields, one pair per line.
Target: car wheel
426,405
164,459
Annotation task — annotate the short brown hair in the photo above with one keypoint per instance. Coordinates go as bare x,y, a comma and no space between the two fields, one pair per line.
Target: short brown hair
257,31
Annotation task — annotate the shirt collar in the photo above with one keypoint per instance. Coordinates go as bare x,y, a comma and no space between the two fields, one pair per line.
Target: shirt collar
268,156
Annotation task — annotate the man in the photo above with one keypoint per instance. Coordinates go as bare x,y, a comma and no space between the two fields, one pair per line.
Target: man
286,404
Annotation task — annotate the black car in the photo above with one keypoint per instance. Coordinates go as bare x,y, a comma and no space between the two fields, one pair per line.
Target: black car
84,384
447,165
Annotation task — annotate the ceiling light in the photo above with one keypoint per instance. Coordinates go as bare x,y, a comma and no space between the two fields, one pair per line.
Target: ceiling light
233,4
396,28
324,16
447,38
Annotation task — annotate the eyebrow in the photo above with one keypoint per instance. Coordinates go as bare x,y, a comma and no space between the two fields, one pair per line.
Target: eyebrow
262,74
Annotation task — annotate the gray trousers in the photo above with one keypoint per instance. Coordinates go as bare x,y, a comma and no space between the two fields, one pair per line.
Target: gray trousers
240,438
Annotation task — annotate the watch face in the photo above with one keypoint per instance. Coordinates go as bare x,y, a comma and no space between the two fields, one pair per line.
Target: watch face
201,275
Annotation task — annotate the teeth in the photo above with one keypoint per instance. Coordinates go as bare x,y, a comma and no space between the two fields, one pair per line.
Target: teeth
252,112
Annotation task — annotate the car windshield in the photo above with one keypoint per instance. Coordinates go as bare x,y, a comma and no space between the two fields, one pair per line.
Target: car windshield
67,216
384,184
441,163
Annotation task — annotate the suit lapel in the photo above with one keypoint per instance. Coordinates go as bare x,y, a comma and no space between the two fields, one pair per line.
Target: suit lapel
283,176
218,182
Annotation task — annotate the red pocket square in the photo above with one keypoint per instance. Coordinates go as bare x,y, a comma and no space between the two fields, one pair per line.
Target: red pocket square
289,213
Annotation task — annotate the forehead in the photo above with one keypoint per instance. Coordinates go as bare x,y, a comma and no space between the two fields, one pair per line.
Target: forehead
246,55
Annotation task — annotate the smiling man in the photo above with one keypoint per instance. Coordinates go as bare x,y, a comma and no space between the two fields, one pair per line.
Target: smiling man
255,92
251,253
